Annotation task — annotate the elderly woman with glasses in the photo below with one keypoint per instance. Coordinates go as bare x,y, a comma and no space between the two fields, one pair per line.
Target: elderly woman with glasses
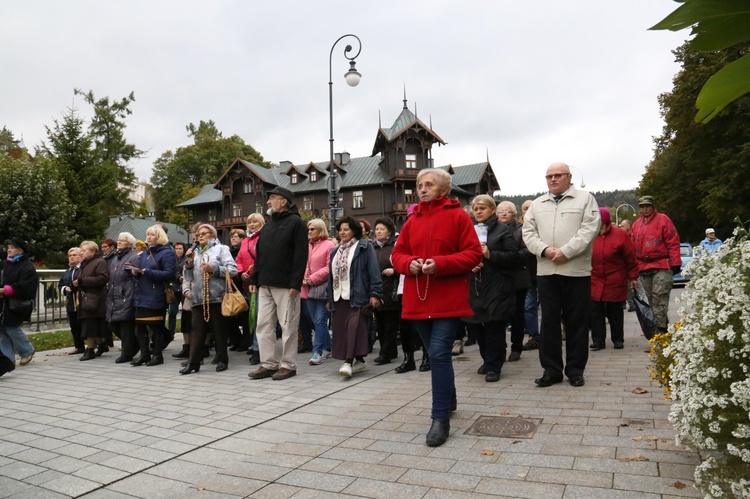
206,268
314,284
120,292
155,272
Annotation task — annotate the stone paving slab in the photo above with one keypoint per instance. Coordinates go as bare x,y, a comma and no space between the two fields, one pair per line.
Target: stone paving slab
101,430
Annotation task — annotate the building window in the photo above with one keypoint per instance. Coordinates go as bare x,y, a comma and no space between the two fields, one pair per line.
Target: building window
313,176
358,199
411,161
295,178
259,207
308,202
409,196
212,215
236,209
248,187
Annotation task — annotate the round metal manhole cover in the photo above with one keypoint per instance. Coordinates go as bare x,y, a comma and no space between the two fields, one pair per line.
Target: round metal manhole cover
504,427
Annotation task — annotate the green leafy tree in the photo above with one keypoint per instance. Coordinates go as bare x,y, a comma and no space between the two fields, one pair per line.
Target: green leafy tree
699,172
178,176
7,142
717,25
35,205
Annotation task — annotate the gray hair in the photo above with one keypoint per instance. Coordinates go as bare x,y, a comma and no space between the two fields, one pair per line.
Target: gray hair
508,206
129,237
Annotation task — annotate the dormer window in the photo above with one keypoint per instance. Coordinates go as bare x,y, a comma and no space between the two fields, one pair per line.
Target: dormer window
295,178
313,176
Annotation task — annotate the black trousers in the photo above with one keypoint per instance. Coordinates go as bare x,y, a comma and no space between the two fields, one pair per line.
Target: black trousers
567,298
410,340
612,311
386,323
125,330
217,324
75,329
518,321
491,340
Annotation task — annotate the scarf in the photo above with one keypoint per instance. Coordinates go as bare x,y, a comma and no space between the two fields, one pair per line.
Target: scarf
341,263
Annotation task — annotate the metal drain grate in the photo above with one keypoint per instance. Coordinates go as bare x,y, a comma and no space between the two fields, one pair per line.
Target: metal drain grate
504,427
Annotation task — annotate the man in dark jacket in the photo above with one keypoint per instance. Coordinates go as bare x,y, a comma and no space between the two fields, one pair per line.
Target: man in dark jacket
18,283
277,277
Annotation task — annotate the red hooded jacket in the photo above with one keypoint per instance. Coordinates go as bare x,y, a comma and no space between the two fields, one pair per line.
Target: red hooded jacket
613,265
441,230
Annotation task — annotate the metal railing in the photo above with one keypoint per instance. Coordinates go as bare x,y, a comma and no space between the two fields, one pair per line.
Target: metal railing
49,306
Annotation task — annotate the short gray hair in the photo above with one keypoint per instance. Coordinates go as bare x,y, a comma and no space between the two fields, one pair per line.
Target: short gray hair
129,237
507,205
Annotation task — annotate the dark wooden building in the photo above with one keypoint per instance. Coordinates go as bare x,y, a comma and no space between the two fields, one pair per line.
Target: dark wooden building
382,184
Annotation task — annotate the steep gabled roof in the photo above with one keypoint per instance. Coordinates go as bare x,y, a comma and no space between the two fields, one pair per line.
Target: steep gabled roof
469,174
405,121
207,195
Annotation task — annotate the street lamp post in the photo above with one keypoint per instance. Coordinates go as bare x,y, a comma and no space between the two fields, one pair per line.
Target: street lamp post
617,212
352,79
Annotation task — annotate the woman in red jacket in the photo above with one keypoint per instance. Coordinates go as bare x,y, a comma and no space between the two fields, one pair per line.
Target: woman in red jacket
436,251
613,269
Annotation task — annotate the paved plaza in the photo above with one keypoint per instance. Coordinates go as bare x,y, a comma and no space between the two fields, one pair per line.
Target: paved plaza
100,430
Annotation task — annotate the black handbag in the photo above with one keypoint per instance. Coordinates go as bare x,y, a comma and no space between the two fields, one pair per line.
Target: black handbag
88,301
20,307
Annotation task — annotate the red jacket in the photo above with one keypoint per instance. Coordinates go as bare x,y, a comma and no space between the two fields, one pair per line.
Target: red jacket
613,265
657,244
440,230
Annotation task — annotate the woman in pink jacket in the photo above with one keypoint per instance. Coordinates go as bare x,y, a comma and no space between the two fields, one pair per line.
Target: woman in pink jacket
314,283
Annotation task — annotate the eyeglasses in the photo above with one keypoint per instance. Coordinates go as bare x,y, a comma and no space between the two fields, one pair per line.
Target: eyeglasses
204,234
122,240
556,176
503,212
312,230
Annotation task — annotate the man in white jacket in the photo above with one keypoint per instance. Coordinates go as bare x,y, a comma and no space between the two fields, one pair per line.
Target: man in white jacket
559,228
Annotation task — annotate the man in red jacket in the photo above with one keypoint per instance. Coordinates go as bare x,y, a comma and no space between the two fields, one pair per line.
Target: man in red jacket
657,249
613,270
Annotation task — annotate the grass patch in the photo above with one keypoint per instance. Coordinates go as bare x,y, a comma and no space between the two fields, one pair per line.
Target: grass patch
51,341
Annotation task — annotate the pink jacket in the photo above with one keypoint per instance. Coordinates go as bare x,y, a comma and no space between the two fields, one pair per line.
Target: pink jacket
317,270
246,257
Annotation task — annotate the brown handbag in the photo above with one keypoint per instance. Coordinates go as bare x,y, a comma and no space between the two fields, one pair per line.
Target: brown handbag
234,301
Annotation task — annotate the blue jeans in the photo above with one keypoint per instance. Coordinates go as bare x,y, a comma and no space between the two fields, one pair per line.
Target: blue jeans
12,340
319,316
531,313
438,336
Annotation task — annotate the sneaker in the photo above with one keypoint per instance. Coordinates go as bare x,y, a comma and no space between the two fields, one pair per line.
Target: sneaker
316,359
359,367
327,354
283,373
25,360
458,347
346,370
532,344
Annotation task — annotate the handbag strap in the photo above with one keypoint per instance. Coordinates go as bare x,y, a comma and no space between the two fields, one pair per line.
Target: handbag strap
230,287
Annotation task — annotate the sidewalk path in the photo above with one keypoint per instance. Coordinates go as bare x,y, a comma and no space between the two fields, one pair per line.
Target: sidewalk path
100,430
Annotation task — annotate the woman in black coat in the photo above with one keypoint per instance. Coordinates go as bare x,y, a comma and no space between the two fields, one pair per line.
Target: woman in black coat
121,289
18,283
91,290
388,315
491,289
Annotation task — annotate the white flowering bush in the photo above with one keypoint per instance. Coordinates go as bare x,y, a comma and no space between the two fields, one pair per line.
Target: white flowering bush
710,379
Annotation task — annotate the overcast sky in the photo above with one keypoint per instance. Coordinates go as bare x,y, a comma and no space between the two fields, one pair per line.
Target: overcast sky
528,83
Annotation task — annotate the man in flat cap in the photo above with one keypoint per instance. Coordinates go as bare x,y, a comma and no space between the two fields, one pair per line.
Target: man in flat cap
277,277
657,249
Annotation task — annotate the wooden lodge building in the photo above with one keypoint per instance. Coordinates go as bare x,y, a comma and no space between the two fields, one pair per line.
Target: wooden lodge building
382,184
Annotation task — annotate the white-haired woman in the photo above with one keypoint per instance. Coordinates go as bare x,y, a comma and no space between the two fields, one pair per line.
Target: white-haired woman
156,270
66,289
206,268
121,290
91,289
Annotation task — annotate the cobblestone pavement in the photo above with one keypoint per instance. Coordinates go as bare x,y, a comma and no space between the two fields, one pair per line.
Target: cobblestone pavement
100,430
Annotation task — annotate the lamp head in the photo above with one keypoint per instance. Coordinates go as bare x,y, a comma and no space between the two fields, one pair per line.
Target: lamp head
352,76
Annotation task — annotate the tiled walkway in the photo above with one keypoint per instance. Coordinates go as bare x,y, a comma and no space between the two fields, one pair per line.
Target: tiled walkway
101,430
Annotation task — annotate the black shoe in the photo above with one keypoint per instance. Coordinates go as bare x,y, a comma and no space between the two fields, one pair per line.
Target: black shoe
155,361
187,363
255,358
206,351
469,342
102,348
514,356
547,380
619,345
380,360
234,348
631,309
438,433
491,377
215,360
407,365
190,368
425,365
532,344
141,360
221,366
123,359
454,405
576,381
482,370
89,354
182,354
597,346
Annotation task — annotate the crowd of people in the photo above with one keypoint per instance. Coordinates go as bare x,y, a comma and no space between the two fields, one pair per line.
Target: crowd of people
449,273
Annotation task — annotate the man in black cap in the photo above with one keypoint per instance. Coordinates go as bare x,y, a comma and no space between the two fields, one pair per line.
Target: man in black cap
18,284
277,277
657,249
